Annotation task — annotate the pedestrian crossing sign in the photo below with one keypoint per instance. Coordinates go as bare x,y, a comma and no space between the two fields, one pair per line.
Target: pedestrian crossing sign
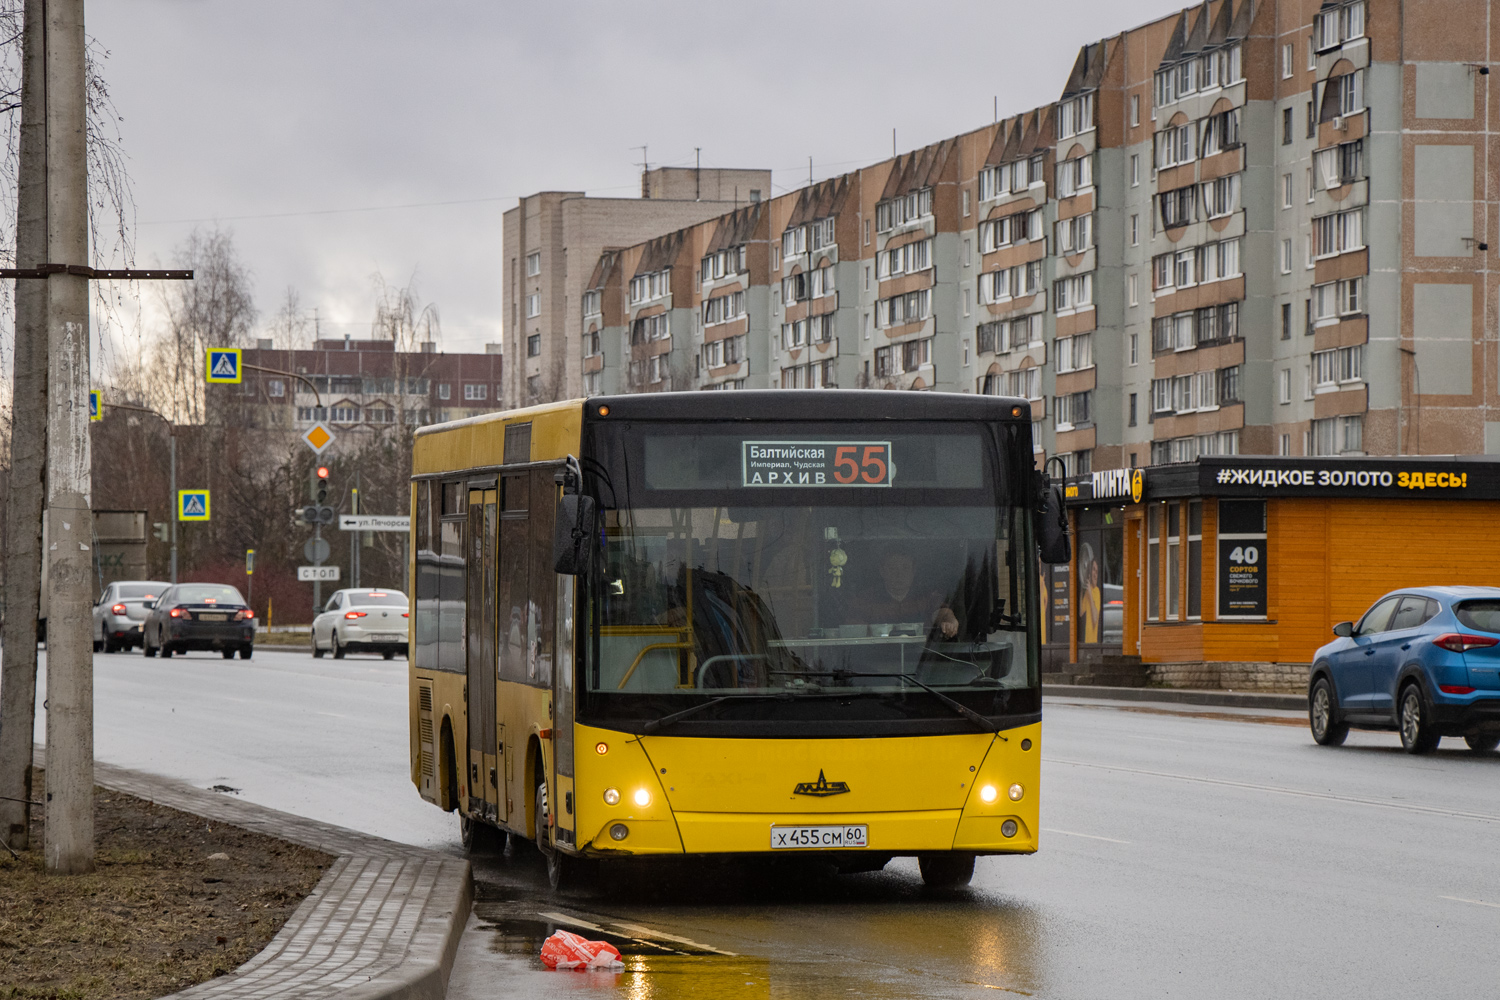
192,505
96,406
223,364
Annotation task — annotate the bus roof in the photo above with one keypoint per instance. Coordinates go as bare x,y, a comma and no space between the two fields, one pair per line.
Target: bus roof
811,404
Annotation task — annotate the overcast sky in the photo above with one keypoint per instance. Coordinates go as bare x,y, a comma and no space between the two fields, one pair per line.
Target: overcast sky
301,126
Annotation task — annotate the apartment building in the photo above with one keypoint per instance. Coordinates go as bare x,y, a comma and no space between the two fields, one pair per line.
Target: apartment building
552,244
1243,228
361,387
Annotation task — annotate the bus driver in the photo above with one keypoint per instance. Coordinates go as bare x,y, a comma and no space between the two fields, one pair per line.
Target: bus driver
894,601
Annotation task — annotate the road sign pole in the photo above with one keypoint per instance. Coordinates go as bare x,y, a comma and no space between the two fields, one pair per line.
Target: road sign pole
317,584
172,479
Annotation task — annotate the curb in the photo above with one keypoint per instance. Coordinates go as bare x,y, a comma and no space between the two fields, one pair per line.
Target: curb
1180,696
383,923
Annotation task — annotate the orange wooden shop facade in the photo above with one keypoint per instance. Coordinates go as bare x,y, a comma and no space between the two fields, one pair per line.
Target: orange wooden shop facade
1254,559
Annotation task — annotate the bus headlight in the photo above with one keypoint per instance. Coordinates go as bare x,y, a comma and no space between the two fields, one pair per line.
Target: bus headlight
1015,793
989,793
642,797
611,796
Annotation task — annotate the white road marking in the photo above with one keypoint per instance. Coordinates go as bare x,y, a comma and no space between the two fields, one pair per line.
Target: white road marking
1476,902
1087,836
1279,790
646,932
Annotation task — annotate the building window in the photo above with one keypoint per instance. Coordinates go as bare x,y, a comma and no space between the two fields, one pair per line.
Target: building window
533,386
1221,196
1337,435
1335,27
1343,95
593,344
1135,169
1177,145
1135,350
1075,235
720,353
1075,116
534,345
907,259
1286,190
1022,227
1073,293
1176,207
1135,110
1340,165
903,209
473,391
344,413
1286,321
913,307
1221,132
591,304
1072,410
1286,445
1075,176
1286,256
1286,61
968,296
1195,559
445,391
654,285
1336,299
1132,409
1174,568
1338,233
533,305
1074,353
726,308
649,328
1131,290
1337,367
1286,126
900,358
533,264
276,388
1153,558
1135,230
593,383
966,203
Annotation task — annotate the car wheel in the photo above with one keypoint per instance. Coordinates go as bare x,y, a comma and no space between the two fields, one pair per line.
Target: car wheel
389,654
1483,742
146,648
1320,716
1417,735
338,651
98,646
316,652
227,653
946,871
246,652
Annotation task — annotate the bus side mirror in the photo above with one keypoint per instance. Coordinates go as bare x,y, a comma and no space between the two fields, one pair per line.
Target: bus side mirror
572,533
1344,629
1052,540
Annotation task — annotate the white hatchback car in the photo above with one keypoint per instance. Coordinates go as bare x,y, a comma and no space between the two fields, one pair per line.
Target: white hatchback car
361,621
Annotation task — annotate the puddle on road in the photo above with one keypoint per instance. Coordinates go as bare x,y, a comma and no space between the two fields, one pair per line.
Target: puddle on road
673,970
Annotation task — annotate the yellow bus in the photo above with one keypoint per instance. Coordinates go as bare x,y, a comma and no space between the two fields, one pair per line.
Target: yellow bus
749,623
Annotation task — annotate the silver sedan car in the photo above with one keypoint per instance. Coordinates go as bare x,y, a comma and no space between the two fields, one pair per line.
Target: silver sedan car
119,612
361,621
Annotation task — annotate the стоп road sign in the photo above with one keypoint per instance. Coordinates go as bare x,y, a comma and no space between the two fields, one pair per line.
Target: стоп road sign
223,365
317,437
316,549
317,574
192,505
374,522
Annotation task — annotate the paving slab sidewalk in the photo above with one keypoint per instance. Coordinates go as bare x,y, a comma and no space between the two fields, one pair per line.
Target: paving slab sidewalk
382,924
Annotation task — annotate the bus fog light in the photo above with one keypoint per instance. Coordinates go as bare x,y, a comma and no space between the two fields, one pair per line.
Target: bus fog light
1015,793
642,797
620,831
988,793
611,796
1008,828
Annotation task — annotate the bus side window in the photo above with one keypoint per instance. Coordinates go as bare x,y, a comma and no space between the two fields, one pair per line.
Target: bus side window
514,583
540,638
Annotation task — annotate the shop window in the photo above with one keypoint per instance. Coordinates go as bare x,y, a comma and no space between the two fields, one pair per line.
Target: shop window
1101,577
1241,559
1174,566
1195,559
1153,562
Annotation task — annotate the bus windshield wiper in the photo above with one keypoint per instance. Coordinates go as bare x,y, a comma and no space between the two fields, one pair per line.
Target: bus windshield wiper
667,720
957,706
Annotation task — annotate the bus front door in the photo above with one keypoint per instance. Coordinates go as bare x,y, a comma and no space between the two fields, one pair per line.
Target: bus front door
485,773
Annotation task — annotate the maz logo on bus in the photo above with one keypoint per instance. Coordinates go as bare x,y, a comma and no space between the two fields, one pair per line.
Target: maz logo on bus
817,463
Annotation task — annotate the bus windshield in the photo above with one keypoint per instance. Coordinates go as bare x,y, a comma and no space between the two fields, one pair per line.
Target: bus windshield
799,606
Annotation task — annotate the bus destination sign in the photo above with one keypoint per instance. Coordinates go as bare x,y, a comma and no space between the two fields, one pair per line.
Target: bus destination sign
817,463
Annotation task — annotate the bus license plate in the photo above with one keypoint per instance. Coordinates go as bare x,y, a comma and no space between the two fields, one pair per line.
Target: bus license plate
802,837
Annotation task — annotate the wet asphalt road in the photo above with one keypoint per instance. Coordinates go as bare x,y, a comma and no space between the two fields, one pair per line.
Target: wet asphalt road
1194,854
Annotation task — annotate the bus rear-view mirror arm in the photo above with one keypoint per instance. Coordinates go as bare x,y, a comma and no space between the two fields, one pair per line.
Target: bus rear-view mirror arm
573,529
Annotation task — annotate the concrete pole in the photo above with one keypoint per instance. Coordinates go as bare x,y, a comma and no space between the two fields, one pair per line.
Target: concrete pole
69,841
28,451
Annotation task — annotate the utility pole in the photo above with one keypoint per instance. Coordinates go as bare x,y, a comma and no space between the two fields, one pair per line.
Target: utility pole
69,840
28,451
172,492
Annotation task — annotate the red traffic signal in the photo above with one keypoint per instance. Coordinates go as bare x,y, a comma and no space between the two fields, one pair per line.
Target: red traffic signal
322,472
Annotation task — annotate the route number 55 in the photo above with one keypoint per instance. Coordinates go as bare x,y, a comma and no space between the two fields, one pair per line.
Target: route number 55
849,466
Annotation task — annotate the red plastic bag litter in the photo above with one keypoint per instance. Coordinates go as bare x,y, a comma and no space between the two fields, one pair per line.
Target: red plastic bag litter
569,951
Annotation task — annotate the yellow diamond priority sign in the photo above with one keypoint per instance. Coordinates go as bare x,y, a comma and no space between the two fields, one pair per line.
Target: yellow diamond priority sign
318,437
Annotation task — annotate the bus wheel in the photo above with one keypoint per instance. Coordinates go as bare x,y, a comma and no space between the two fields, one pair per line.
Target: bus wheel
565,872
479,837
539,820
946,871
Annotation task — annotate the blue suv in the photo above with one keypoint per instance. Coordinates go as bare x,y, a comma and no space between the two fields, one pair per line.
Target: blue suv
1424,661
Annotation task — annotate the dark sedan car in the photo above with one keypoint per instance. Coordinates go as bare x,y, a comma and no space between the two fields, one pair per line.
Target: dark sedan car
207,616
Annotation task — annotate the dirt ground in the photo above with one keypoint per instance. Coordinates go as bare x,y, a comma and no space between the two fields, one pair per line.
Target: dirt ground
157,915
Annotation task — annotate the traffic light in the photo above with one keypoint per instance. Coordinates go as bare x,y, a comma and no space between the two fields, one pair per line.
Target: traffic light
318,512
322,484
162,530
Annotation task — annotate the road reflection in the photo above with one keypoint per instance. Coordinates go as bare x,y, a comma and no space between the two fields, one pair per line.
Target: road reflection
788,929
